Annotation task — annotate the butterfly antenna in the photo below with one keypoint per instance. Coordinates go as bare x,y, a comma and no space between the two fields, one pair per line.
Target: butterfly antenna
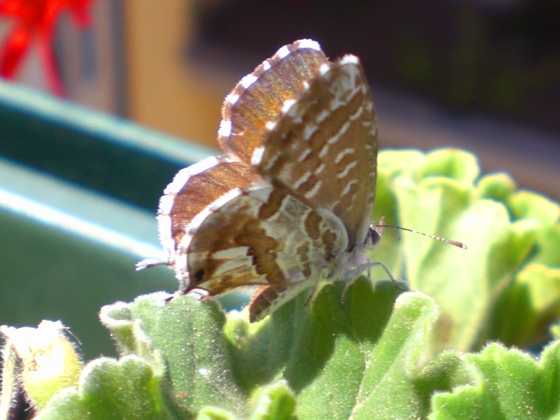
437,238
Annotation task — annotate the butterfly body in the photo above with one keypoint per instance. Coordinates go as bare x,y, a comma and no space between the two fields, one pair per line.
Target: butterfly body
290,203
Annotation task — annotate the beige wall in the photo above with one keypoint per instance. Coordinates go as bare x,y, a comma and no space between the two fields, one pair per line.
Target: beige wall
164,91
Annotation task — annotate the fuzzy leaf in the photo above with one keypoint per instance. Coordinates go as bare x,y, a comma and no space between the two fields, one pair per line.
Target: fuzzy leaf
273,402
503,229
48,362
189,335
127,389
509,385
523,314
530,205
455,164
359,360
374,356
215,413
548,244
496,186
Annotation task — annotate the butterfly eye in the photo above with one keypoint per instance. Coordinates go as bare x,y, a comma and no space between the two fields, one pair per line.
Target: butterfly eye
199,275
374,237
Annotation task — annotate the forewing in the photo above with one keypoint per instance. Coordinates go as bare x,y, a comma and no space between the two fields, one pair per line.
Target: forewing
192,190
258,98
261,236
324,147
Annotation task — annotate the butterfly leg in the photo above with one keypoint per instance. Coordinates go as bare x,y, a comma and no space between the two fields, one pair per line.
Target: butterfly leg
355,275
149,263
370,264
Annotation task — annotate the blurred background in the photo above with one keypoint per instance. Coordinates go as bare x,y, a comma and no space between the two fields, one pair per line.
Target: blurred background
102,102
478,74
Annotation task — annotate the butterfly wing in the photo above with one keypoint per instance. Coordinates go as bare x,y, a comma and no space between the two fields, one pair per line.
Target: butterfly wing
191,191
268,298
263,235
258,98
324,148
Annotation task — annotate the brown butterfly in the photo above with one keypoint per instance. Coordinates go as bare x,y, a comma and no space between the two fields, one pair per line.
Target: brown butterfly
290,202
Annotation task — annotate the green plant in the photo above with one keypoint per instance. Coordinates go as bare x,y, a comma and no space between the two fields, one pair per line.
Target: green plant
384,354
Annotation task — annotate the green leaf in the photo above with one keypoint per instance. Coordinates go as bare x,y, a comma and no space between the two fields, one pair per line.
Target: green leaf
189,336
358,360
215,413
547,246
275,402
526,309
399,162
509,385
530,205
455,164
127,389
42,360
503,229
497,186
298,339
378,353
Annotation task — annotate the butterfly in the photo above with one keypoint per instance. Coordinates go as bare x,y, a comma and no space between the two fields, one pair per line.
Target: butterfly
289,204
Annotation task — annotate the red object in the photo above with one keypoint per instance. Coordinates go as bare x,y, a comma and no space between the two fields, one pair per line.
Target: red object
35,20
